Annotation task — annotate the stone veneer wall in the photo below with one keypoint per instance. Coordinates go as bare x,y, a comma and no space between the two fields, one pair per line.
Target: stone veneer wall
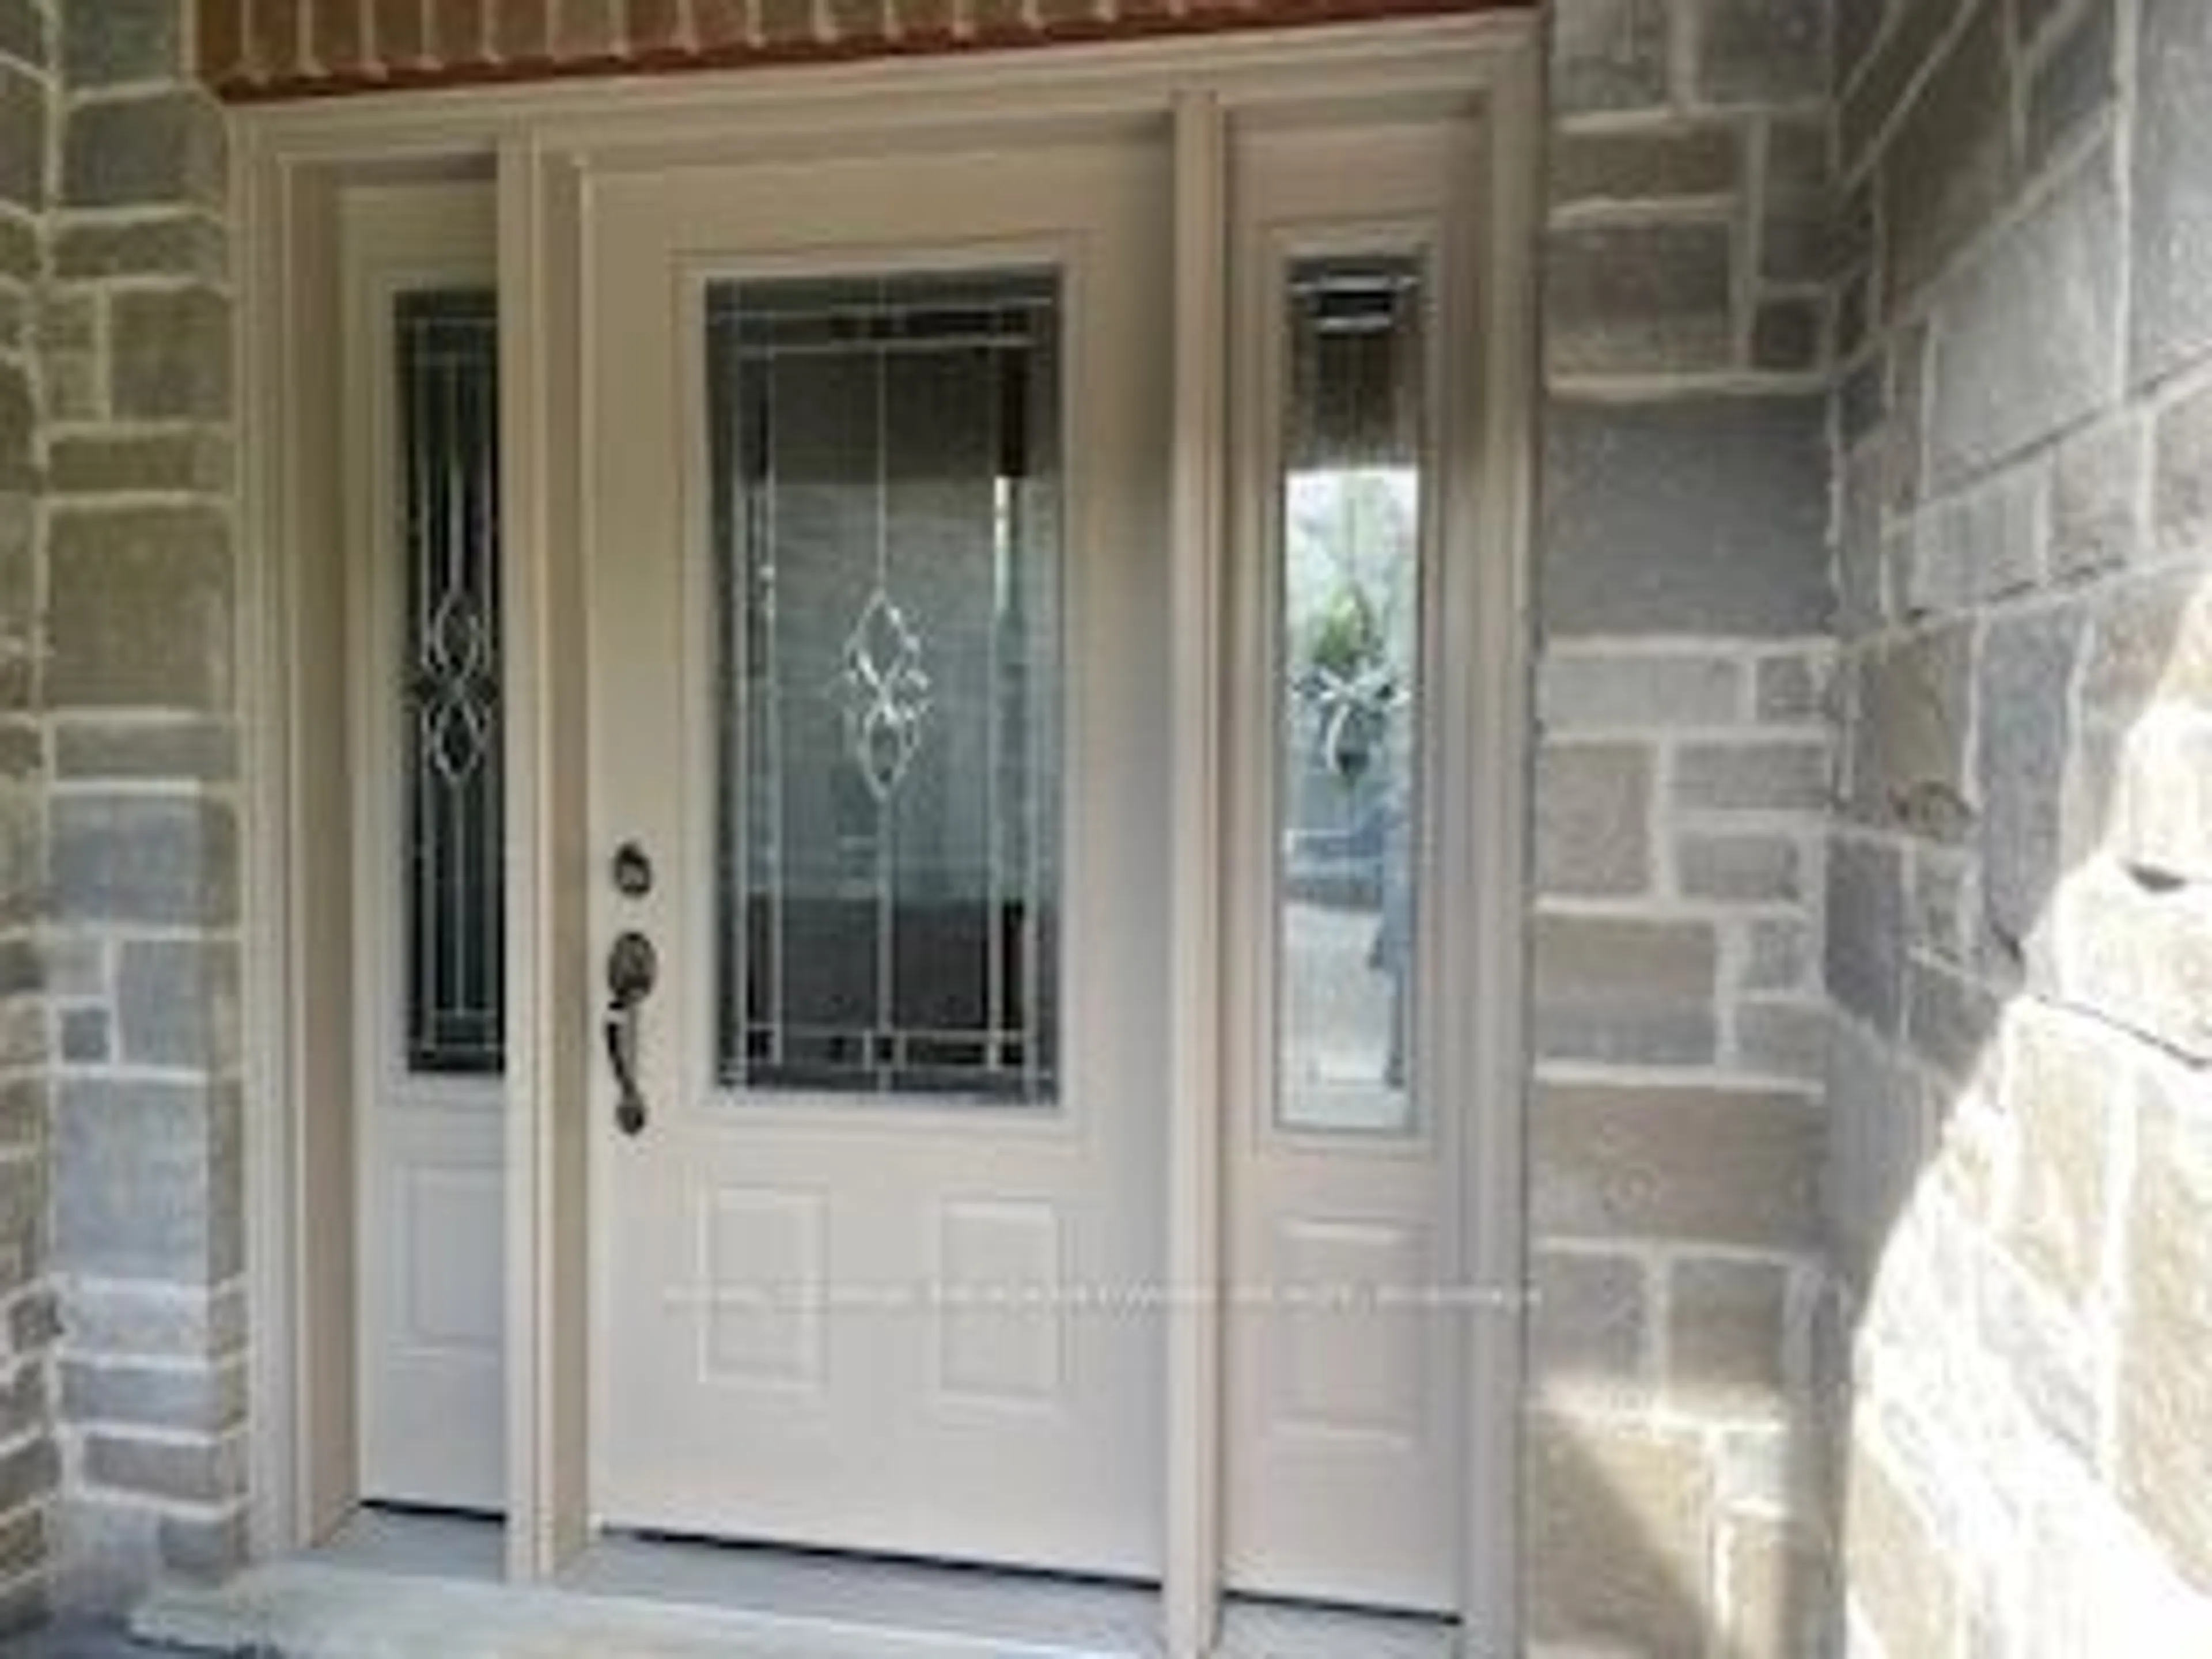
1674,1506
2021,883
27,1461
140,749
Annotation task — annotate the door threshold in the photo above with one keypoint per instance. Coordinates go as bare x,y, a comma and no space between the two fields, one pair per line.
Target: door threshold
392,1584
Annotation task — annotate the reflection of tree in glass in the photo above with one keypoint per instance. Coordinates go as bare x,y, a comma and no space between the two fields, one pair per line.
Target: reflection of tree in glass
1351,542
1351,536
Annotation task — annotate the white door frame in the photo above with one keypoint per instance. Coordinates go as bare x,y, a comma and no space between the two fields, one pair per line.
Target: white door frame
540,146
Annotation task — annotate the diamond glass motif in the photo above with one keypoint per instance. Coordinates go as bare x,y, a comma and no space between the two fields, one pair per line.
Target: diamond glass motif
882,693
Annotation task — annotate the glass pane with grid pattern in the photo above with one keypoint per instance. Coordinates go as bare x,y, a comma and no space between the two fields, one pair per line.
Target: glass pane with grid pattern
887,544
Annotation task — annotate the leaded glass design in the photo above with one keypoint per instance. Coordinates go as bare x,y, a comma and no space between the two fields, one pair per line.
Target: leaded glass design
448,404
1348,578
887,546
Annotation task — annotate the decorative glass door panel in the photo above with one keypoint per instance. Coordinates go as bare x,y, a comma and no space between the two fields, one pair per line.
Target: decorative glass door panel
879,606
1350,645
886,530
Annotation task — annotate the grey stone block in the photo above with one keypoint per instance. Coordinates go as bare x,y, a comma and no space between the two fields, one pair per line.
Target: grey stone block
118,1321
1669,164
1857,25
19,257
1686,1162
22,855
2025,737
185,1471
1787,335
1951,1022
22,1115
33,1322
122,40
28,1472
141,609
2029,332
1643,298
157,859
24,1406
2182,496
2097,495
1592,819
1761,51
1748,869
1980,546
2073,84
94,464
160,149
1706,516
1791,690
23,1203
1905,439
1951,165
177,1003
192,751
2172,188
1780,955
23,138
1587,1322
19,467
1800,160
1940,891
1875,97
1727,1324
169,358
1783,1040
1619,990
1866,932
1815,239
1862,583
1638,691
1609,55
1617,1518
184,244
1910,714
22,967
146,1180
85,1040
1770,776
1876,1152
205,1548
23,34
206,1399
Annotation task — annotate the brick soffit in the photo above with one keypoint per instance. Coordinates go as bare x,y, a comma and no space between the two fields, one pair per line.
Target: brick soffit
256,51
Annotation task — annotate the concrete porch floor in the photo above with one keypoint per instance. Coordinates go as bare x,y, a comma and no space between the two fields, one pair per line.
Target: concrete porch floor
395,1585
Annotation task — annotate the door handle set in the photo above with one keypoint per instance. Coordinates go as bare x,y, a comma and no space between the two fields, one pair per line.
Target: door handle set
632,966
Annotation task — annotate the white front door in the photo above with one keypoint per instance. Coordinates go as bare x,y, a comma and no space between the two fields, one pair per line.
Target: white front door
879,694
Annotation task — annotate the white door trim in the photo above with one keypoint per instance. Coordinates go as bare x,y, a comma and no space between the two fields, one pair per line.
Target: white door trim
539,142
1192,1593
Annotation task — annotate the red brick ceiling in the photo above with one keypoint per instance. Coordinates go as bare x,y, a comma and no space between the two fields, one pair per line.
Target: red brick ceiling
252,49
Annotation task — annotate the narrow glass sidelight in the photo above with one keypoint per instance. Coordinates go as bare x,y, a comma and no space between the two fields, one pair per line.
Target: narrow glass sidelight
887,544
448,404
1348,578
